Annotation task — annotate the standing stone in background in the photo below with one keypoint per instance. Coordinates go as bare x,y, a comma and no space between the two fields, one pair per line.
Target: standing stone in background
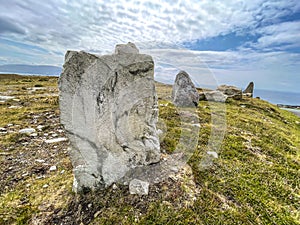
108,106
230,91
184,92
249,90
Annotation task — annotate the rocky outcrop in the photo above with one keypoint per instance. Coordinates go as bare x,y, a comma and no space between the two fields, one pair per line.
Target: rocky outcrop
108,106
249,90
230,91
184,92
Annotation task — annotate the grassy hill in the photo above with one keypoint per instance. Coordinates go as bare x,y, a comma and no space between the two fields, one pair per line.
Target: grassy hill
254,180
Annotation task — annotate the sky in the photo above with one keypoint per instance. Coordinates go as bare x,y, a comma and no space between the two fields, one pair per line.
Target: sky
215,41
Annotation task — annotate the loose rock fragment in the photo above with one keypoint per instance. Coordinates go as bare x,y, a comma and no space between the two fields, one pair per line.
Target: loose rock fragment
55,140
138,187
27,131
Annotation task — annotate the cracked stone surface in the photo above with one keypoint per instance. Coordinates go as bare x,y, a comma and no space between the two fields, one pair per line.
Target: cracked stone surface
108,106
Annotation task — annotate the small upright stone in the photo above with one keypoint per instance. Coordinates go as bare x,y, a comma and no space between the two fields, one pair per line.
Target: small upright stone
249,90
184,92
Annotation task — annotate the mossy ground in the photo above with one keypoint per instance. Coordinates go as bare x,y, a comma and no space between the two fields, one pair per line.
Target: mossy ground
254,180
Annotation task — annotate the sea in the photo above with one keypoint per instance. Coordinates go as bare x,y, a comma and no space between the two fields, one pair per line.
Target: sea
278,97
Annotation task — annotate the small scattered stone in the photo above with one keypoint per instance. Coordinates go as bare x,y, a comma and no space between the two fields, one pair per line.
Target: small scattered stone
27,131
138,187
45,185
213,154
2,97
62,172
174,169
15,107
40,127
3,130
55,140
52,168
114,187
97,214
33,135
40,160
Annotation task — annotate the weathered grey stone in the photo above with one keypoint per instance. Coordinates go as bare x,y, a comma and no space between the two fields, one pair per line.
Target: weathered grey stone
215,96
231,91
138,187
108,106
249,90
184,92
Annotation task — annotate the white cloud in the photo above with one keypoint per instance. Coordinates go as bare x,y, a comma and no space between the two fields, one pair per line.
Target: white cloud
101,24
280,36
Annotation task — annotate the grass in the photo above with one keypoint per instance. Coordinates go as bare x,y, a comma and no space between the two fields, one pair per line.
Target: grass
254,180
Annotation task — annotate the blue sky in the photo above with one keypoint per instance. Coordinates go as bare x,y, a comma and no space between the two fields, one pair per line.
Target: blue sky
215,41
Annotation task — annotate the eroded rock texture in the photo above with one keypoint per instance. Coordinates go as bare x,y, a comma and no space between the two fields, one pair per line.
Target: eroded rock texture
109,109
184,92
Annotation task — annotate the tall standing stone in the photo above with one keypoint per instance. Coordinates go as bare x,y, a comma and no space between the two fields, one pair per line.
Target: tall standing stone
184,92
249,90
108,106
